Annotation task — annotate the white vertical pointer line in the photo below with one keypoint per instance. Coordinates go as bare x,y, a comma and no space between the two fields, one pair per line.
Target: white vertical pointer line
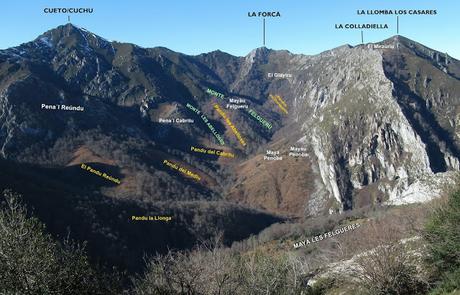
264,30
397,25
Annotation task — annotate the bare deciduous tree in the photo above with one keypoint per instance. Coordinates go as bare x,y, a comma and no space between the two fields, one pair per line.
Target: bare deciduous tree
392,266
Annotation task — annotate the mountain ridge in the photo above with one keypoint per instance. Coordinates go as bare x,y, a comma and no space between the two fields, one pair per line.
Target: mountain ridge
82,31
350,127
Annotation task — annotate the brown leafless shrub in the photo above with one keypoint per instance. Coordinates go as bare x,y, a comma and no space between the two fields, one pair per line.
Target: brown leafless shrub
392,266
209,269
212,269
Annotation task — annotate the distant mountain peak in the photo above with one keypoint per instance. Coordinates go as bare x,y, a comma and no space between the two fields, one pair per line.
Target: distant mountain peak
414,47
259,54
64,31
396,40
70,36
260,51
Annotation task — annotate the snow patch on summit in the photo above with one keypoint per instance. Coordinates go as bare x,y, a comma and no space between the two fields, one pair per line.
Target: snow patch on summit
46,41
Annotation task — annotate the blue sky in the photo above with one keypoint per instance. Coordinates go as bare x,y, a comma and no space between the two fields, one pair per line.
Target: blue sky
197,26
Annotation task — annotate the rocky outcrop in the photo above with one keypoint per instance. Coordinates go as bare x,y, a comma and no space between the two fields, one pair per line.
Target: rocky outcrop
363,137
